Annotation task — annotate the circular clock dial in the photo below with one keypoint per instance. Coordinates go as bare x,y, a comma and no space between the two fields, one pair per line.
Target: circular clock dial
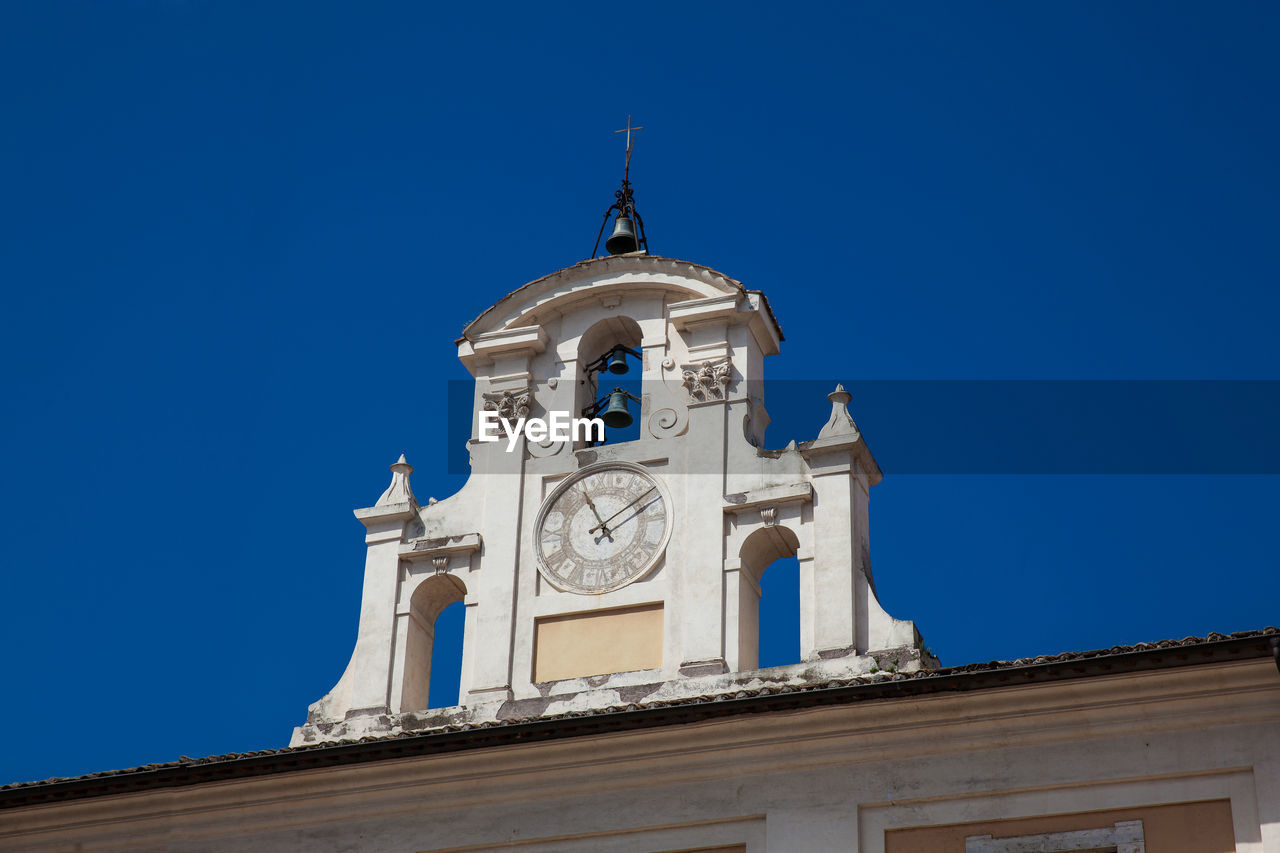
602,529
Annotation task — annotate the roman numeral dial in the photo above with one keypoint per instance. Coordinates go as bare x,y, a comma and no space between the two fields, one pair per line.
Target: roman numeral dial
602,528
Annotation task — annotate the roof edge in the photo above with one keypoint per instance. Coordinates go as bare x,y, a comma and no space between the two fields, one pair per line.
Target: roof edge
1169,654
622,260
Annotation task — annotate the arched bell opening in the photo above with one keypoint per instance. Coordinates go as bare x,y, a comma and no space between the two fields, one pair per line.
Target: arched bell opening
768,598
609,377
422,630
779,640
446,656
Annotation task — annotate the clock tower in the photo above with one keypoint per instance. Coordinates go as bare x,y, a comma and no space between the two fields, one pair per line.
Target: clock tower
597,574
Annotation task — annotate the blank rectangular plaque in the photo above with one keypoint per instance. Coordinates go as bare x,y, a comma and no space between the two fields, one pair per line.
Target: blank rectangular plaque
582,644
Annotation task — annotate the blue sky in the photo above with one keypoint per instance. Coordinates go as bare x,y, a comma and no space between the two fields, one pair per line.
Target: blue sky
238,240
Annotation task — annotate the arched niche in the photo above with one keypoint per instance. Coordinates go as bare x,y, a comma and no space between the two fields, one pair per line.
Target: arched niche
598,339
758,552
429,599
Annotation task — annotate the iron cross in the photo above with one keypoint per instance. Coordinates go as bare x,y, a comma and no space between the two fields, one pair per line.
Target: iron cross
627,130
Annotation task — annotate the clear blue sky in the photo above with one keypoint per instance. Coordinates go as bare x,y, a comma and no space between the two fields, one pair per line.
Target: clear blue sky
237,241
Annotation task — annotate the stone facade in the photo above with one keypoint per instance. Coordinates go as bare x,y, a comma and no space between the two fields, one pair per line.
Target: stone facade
733,509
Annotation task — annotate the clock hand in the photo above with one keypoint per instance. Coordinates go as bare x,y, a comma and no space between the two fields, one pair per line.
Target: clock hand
596,513
621,511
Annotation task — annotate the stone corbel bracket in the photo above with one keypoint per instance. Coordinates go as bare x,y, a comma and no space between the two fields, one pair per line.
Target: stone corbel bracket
440,554
768,500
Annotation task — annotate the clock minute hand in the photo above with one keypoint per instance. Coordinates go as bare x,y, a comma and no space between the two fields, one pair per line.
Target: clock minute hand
596,513
621,511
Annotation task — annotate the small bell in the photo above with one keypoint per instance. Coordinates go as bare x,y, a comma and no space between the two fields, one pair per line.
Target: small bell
623,238
617,362
616,416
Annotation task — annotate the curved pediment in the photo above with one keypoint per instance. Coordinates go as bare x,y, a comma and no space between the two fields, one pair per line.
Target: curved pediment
550,295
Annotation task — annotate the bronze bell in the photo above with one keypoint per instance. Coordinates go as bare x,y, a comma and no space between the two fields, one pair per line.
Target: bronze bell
623,238
617,362
616,416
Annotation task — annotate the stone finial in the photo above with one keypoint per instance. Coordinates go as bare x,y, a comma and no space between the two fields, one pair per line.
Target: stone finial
840,424
399,491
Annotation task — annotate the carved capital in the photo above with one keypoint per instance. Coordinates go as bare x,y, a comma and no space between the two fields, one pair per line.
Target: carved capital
510,405
707,381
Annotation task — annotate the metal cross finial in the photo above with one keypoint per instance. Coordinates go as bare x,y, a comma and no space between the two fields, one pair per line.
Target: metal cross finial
627,130
626,208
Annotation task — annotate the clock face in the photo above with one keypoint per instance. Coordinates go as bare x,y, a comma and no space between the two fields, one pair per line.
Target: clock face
602,528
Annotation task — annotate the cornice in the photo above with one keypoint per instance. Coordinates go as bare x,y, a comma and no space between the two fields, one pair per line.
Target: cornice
1207,683
606,757
606,267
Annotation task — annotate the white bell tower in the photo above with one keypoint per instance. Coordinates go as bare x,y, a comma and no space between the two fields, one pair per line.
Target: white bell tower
629,571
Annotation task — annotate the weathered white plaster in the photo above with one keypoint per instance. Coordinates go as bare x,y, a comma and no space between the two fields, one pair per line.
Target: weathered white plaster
1123,836
734,510
833,778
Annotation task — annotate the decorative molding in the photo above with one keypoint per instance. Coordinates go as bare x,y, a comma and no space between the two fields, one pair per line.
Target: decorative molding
1123,837
707,381
668,422
547,447
502,341
623,269
769,515
510,405
444,546
441,563
690,312
768,498
509,381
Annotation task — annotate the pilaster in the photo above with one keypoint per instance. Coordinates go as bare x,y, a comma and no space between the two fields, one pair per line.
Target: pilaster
370,670
490,620
702,537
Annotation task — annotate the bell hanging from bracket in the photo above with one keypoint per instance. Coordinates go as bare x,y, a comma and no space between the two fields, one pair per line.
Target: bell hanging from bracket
615,415
617,363
623,239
